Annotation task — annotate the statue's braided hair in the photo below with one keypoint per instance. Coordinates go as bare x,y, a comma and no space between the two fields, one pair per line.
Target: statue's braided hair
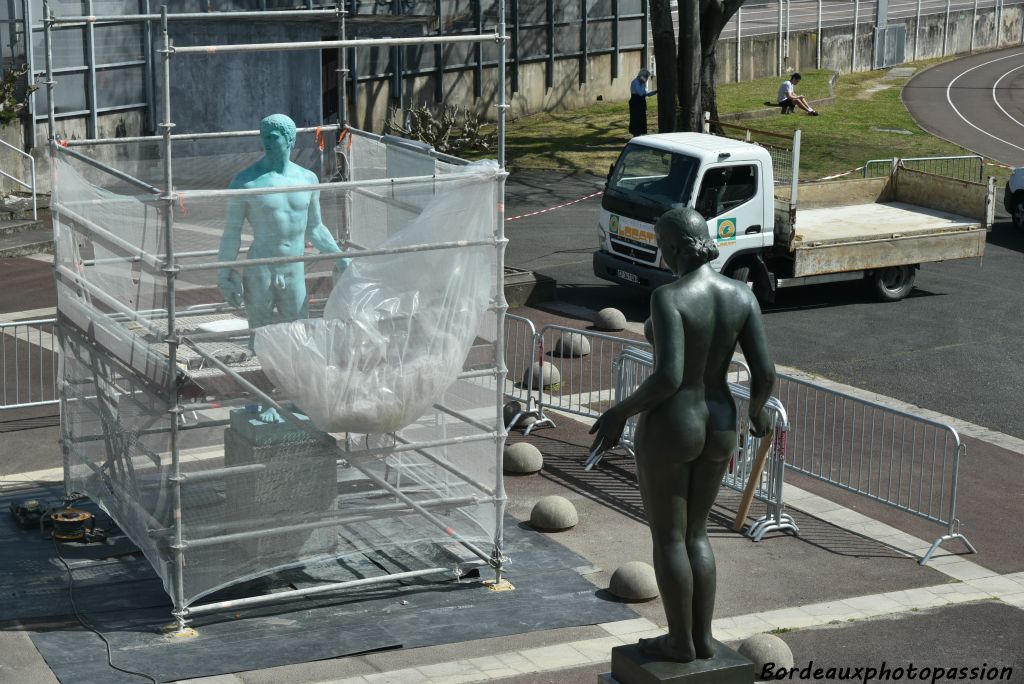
687,229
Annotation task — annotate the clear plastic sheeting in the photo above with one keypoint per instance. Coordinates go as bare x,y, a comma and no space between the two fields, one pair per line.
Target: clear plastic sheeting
389,458
397,327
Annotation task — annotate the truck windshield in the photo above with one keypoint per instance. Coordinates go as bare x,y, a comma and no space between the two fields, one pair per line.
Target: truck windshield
647,176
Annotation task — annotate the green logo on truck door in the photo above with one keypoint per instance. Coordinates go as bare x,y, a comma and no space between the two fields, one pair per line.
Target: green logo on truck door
726,230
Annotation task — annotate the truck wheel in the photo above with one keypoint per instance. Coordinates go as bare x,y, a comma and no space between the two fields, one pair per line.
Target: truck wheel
1018,213
892,284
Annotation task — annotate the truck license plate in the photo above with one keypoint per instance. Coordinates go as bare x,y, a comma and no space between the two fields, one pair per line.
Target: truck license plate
626,275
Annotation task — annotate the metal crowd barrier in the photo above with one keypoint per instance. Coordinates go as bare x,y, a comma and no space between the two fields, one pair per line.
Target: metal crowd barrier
28,363
520,355
632,368
891,456
586,382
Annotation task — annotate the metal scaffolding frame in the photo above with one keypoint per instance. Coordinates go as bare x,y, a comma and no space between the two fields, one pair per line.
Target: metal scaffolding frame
167,264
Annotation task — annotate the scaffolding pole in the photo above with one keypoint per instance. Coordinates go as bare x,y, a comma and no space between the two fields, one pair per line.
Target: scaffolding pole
171,269
323,44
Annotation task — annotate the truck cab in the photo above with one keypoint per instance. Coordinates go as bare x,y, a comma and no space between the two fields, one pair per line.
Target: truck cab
729,182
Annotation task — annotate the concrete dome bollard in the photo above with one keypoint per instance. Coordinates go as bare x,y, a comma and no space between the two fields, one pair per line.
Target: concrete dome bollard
766,648
553,513
634,581
522,458
610,319
572,344
545,375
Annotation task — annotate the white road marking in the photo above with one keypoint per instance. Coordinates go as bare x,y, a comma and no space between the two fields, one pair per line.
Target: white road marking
967,121
996,99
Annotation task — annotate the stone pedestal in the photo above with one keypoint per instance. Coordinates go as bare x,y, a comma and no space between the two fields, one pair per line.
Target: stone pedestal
297,485
631,666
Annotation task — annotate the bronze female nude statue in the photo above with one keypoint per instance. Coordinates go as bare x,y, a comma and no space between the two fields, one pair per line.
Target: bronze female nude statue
687,427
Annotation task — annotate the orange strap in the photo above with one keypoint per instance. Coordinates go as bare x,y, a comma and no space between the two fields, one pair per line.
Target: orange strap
345,133
319,135
181,204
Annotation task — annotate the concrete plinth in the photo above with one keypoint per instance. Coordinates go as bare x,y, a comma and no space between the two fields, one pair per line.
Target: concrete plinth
631,666
298,484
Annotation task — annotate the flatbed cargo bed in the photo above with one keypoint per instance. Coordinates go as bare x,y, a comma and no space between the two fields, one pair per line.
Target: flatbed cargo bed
880,234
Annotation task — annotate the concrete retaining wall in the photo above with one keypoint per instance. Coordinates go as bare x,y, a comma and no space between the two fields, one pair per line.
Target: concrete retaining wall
759,54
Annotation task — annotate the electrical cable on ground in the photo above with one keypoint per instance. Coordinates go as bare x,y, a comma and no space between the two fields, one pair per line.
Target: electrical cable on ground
82,621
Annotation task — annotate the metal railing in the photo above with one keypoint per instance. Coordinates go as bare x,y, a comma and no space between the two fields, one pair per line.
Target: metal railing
633,366
28,363
567,369
30,186
891,456
520,354
586,382
969,167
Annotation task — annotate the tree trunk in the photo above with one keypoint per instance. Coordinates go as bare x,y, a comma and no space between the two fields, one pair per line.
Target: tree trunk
665,59
708,95
715,14
689,64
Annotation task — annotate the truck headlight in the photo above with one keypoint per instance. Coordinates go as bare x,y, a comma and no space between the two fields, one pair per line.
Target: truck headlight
602,238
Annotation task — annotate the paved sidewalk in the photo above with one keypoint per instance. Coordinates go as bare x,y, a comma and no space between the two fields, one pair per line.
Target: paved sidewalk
847,593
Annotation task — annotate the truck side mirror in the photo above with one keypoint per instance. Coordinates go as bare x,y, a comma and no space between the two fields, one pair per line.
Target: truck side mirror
611,167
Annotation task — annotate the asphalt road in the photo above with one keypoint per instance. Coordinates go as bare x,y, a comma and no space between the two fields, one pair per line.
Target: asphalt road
976,102
953,346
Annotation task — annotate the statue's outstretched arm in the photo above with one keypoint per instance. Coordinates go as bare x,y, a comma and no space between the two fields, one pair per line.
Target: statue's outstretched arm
754,344
664,380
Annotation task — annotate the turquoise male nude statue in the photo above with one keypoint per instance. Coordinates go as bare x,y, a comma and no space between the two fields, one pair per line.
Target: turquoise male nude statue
281,224
687,427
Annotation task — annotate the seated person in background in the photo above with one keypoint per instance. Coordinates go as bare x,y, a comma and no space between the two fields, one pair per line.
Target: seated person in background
789,98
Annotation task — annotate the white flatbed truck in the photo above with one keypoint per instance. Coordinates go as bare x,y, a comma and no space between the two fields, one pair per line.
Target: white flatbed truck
876,229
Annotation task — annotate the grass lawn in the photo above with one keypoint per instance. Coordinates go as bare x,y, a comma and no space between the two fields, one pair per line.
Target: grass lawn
867,121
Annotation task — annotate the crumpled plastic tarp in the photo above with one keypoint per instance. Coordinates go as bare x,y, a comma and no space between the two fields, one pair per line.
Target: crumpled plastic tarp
396,328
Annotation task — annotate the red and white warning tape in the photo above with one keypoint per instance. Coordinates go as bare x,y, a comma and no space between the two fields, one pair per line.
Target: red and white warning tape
560,206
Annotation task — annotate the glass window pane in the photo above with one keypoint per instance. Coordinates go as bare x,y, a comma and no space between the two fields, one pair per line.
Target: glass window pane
118,7
567,11
630,33
68,95
533,43
599,35
118,43
599,8
116,87
567,40
631,6
532,13
68,48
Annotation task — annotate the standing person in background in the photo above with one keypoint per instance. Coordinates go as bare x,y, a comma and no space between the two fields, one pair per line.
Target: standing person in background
638,95
789,98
